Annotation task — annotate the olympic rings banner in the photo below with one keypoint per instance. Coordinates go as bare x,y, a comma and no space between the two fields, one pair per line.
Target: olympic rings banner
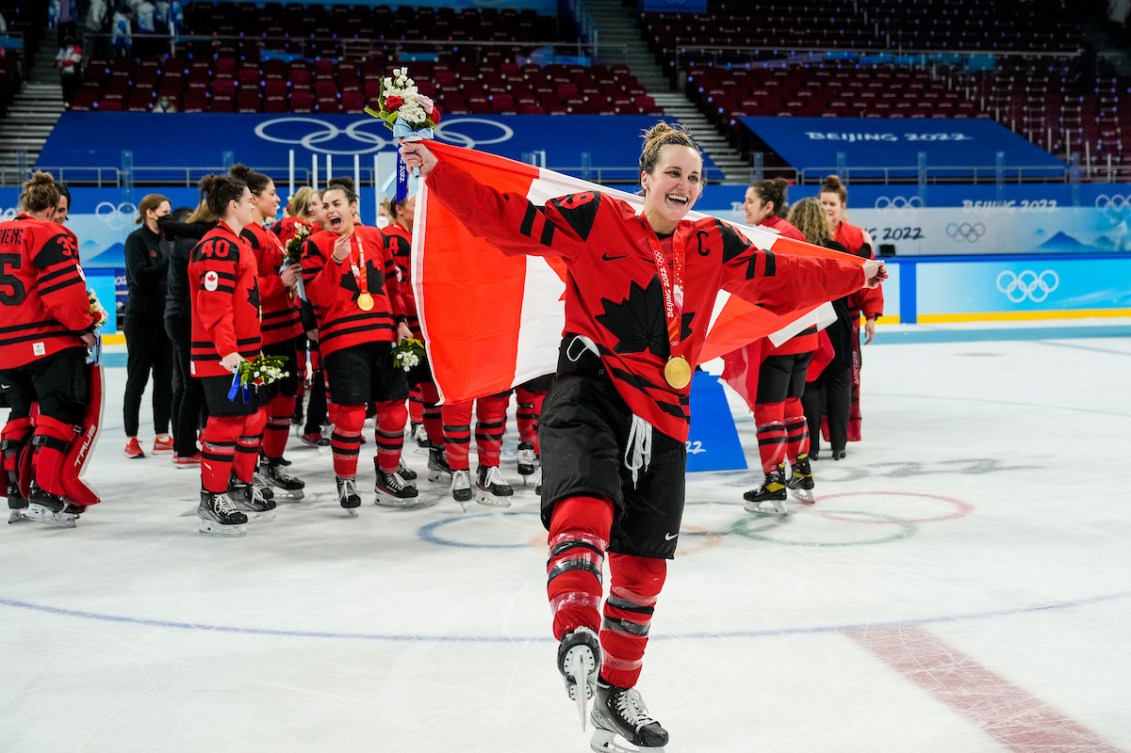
196,142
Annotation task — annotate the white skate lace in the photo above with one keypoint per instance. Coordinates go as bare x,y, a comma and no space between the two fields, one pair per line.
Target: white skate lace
224,506
494,477
394,481
638,453
349,488
630,706
281,475
526,456
461,480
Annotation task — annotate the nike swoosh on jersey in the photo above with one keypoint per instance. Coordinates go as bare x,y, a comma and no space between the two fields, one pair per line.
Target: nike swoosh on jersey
605,257
670,536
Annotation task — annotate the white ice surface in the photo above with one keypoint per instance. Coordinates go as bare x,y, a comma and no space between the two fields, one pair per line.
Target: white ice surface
989,505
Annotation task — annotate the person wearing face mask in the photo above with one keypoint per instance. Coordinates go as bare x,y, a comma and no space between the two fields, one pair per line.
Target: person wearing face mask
63,208
867,303
281,328
226,331
147,345
351,281
615,421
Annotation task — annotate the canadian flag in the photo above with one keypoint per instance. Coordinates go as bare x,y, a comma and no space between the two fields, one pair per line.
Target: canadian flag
492,321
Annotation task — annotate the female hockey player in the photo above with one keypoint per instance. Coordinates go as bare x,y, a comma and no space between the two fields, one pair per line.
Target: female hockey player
615,421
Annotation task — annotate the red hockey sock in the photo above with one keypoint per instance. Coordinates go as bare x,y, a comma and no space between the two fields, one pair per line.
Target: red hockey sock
52,439
578,538
217,450
392,415
636,582
768,417
457,433
415,406
490,425
247,446
433,423
796,430
527,412
346,439
279,413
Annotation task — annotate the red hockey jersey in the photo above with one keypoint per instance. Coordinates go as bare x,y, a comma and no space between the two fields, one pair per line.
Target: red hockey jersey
281,319
225,301
334,292
613,290
43,302
869,301
400,245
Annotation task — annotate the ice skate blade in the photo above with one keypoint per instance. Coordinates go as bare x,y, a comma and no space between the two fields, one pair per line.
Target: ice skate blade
803,495
605,741
396,503
296,495
579,666
435,476
212,528
490,500
259,517
16,516
41,514
778,510
351,511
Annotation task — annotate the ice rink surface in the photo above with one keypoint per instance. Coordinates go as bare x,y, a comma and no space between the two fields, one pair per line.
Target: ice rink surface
962,585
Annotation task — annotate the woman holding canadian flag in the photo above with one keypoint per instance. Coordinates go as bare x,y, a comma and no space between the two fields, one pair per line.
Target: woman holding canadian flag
640,290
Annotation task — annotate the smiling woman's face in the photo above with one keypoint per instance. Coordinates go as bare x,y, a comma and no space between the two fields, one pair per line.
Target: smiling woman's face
673,186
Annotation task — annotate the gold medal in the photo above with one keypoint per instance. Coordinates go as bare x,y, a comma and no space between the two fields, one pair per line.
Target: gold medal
677,372
365,302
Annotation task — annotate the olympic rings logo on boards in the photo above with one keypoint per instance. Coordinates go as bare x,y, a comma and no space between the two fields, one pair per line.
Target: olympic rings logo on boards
899,207
1027,284
8,214
1114,207
117,216
318,135
965,232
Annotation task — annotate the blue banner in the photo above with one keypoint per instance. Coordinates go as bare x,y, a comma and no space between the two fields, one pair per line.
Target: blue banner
898,147
672,6
544,7
196,142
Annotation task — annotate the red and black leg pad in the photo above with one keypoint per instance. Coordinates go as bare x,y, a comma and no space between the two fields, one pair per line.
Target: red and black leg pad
217,451
278,428
345,442
13,440
768,417
247,446
392,415
490,425
52,441
796,429
579,536
457,433
636,583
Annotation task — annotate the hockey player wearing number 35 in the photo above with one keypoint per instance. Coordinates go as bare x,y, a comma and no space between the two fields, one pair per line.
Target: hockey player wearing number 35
47,327
615,421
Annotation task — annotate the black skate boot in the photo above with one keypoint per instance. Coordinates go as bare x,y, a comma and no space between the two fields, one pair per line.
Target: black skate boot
348,496
526,460
218,516
275,474
394,491
800,481
247,499
769,498
17,504
405,472
579,656
260,484
420,436
438,463
538,481
461,488
621,712
52,509
493,489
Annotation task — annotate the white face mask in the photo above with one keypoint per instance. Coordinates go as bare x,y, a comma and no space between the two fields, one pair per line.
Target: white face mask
382,221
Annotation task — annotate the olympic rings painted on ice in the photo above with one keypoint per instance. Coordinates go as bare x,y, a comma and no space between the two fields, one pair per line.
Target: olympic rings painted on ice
961,509
1027,284
758,528
117,216
318,135
899,207
965,232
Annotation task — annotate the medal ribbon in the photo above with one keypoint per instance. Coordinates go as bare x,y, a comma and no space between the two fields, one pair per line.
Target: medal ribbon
672,285
362,276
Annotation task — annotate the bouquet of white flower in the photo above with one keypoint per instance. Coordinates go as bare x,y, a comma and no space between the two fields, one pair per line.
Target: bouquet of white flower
408,353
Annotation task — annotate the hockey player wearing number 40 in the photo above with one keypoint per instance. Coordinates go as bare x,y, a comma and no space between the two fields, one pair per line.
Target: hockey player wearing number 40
615,421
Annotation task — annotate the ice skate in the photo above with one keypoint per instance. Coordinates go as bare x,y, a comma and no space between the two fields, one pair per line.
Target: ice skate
249,500
461,488
405,472
526,460
769,498
17,505
394,491
52,509
800,481
623,725
579,657
419,436
261,486
275,474
491,488
348,497
537,480
438,463
218,516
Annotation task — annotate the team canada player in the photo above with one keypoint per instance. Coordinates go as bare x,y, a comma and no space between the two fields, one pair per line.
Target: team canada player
225,332
351,282
47,328
615,421
281,327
